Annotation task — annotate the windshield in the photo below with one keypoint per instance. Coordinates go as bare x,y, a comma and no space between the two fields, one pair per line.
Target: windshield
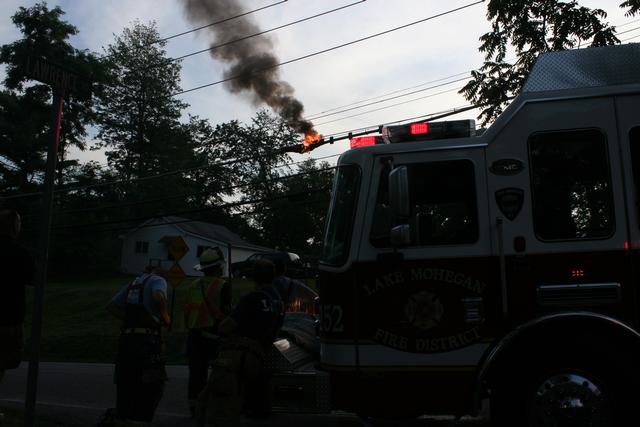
341,214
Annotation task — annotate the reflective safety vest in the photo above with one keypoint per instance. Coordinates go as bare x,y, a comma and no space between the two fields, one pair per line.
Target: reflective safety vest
203,308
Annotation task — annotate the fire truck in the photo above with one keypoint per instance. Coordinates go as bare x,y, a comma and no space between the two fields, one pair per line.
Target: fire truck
460,266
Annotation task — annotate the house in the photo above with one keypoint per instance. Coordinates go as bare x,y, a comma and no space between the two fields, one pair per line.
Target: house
148,244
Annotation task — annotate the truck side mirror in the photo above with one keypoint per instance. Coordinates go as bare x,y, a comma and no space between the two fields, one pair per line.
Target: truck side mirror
399,192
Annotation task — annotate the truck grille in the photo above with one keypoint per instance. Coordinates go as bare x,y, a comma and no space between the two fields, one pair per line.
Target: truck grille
585,295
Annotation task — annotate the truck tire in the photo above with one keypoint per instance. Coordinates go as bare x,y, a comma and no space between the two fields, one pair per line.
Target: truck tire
565,387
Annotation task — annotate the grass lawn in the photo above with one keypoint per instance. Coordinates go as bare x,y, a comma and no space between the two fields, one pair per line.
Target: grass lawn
77,328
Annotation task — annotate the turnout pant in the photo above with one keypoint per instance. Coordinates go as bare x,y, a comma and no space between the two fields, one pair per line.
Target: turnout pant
201,351
221,402
140,376
11,346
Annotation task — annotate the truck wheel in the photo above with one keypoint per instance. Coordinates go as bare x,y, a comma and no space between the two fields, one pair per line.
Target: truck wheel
565,389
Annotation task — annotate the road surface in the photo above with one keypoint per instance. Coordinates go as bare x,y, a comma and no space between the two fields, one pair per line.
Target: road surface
78,393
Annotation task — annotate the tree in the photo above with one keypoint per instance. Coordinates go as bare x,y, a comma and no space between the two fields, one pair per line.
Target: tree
284,206
24,130
139,120
299,220
633,5
258,147
25,126
530,27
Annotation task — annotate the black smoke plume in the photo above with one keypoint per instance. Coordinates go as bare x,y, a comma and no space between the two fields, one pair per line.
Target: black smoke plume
252,61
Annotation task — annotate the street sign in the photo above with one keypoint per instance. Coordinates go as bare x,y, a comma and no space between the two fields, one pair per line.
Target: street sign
57,77
178,248
175,275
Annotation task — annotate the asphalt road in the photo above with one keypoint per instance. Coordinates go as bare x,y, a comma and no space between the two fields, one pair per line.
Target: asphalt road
78,393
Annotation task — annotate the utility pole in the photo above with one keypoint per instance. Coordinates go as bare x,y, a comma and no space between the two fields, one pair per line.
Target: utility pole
62,82
43,256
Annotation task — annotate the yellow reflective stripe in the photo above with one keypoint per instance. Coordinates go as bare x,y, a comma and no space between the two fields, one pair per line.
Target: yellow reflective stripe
140,331
196,308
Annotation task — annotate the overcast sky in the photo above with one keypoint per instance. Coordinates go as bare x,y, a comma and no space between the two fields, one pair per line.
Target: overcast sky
408,58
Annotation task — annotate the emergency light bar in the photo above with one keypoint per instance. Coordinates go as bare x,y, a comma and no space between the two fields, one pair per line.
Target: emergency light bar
429,131
365,141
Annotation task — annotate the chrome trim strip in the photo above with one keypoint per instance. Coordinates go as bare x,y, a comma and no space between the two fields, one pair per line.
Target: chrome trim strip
583,294
612,285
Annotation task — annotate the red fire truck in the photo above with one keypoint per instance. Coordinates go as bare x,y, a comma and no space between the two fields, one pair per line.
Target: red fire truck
503,265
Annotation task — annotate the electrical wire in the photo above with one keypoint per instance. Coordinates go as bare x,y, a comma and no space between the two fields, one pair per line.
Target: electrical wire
149,177
389,106
630,38
193,30
218,46
200,167
186,220
627,31
389,99
329,49
188,211
190,194
311,116
376,128
627,23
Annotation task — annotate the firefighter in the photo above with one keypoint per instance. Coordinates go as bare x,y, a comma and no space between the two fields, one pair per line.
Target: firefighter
18,268
140,363
208,302
249,333
285,285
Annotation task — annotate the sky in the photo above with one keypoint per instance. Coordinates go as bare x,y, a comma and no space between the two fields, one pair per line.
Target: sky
434,52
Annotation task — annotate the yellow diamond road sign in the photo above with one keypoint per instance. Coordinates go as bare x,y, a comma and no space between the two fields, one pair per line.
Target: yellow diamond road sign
175,275
178,248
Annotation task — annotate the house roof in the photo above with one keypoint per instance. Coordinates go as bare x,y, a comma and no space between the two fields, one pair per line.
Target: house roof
208,231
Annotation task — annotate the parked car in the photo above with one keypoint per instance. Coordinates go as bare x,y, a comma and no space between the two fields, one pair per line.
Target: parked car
293,263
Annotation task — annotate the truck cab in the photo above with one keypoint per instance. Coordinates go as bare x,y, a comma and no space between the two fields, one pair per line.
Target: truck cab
459,267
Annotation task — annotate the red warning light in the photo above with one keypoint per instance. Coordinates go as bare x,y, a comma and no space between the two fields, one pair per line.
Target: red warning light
363,141
419,129
577,272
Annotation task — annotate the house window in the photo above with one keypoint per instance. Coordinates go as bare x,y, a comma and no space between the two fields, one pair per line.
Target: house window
201,249
142,247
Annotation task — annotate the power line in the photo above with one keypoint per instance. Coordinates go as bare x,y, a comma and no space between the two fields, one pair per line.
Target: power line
310,116
329,49
149,177
330,139
390,106
627,31
314,116
630,38
198,193
186,220
212,48
199,167
188,211
388,99
433,116
627,23
193,30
